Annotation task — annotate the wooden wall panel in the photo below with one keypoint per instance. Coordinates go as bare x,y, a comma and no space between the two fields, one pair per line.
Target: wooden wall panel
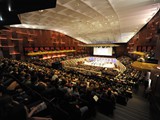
21,38
149,39
147,36
121,50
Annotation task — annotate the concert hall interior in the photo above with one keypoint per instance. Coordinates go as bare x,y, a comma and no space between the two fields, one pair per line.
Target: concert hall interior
79,60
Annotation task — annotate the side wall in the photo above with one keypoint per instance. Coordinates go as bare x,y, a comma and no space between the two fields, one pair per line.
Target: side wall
15,42
148,39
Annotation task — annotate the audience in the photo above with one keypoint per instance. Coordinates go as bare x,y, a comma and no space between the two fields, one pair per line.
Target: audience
76,94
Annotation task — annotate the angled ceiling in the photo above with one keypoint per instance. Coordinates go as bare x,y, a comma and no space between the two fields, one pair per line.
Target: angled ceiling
94,21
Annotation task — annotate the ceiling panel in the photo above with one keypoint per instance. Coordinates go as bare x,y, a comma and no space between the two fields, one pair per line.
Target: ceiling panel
94,21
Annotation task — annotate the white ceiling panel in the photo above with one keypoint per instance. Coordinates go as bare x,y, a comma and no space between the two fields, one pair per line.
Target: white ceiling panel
94,21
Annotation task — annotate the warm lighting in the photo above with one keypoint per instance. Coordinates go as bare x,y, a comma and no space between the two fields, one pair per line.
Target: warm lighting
158,67
49,52
44,58
48,57
14,53
53,56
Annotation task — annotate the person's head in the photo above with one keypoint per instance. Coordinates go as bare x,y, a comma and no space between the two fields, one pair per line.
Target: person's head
109,92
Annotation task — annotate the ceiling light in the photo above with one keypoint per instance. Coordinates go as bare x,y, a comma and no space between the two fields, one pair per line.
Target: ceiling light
1,19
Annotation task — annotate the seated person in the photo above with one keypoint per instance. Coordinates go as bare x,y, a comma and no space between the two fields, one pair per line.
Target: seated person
12,110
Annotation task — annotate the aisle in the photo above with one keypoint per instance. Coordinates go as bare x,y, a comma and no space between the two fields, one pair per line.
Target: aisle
136,109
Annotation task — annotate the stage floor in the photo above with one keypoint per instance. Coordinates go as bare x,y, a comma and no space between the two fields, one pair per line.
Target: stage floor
100,64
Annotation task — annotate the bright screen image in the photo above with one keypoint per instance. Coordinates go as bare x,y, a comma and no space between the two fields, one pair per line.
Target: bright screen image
105,51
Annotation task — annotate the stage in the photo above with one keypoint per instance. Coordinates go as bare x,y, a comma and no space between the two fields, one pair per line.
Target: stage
100,64
97,62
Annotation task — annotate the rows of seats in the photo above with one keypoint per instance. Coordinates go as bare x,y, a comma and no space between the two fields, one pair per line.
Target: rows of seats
50,61
61,94
79,64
